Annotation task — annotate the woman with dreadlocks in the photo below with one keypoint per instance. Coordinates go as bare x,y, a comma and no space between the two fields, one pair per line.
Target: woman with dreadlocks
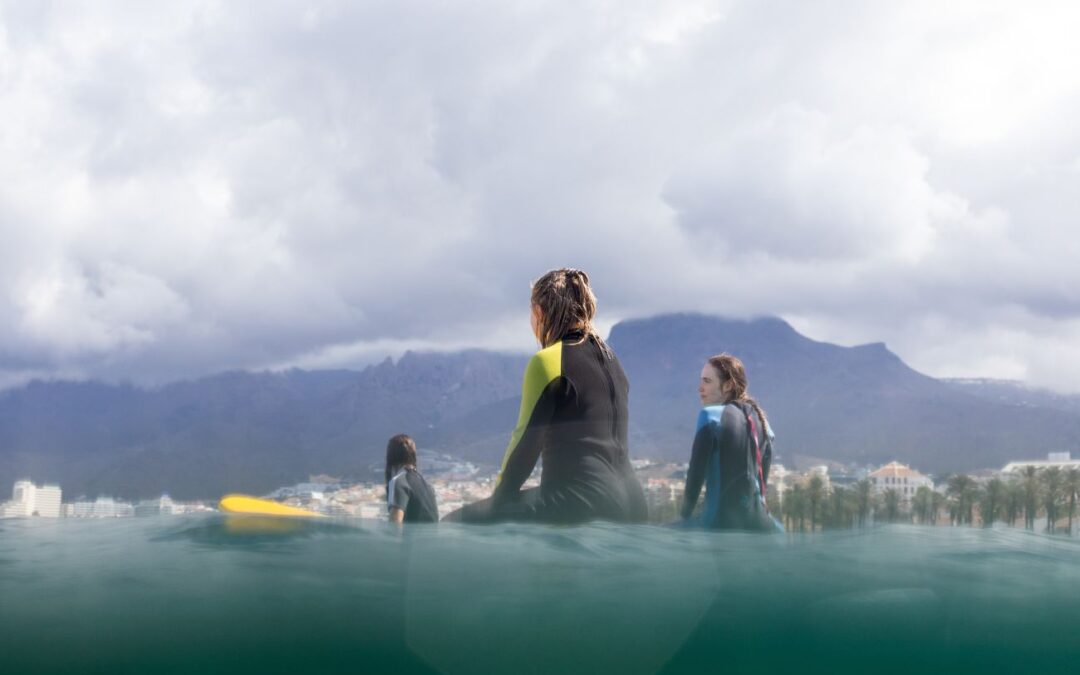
573,416
731,453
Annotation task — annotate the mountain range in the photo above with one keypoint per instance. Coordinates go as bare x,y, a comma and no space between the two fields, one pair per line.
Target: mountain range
254,431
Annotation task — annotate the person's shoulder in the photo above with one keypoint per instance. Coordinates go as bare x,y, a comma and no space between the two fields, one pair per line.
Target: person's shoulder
415,474
737,415
401,478
546,364
711,415
421,485
735,410
725,418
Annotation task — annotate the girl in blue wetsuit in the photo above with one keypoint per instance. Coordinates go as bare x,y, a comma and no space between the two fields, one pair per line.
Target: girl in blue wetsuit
731,453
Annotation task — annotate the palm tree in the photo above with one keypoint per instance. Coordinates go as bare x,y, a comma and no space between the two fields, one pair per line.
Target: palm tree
1030,480
787,508
828,508
939,501
923,503
891,501
864,496
993,501
815,492
833,515
973,496
1014,500
801,505
795,506
1052,480
845,507
962,490
1072,488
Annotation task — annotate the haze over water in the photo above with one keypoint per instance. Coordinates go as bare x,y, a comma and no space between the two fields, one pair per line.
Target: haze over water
210,594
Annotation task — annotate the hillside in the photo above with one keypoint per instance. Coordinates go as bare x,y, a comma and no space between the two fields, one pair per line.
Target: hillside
252,432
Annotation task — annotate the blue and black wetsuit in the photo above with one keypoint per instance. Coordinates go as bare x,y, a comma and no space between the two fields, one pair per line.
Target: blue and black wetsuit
408,491
574,416
725,459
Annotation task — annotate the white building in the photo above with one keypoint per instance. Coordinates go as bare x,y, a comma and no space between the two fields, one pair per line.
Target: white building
777,483
899,477
102,507
29,500
375,510
1061,460
822,472
155,507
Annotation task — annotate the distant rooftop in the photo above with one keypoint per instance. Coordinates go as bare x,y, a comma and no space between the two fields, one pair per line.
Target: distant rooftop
1062,460
896,470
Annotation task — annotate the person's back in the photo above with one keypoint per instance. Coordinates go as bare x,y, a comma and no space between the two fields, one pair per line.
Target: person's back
589,446
583,412
725,457
413,496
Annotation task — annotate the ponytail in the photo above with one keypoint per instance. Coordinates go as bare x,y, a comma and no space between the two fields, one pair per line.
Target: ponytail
567,304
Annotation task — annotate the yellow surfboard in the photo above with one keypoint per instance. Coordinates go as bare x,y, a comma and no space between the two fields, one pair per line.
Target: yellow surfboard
254,506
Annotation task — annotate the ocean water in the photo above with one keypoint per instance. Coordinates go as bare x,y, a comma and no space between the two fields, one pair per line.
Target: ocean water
218,594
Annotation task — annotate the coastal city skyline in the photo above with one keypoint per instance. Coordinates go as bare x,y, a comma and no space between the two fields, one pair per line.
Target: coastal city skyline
895,489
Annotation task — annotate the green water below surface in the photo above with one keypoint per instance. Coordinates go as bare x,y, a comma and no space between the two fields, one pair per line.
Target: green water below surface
214,595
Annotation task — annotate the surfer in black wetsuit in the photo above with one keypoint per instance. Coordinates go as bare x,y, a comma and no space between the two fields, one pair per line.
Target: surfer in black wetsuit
409,498
573,416
731,454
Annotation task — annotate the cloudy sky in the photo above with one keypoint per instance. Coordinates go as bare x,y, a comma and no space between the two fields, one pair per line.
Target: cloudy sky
191,187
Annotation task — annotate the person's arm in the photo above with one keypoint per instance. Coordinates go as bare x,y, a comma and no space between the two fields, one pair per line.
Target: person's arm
397,497
699,459
766,453
539,389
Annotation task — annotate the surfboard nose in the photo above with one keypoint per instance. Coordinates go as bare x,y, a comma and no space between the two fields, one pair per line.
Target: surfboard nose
246,504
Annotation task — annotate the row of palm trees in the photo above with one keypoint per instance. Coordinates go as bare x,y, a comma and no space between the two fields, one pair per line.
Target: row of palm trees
1048,492
1052,492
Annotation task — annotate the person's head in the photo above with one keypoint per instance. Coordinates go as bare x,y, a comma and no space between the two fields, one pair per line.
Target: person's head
723,380
400,452
562,302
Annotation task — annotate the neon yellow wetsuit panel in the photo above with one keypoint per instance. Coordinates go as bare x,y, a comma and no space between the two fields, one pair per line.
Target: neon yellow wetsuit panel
544,367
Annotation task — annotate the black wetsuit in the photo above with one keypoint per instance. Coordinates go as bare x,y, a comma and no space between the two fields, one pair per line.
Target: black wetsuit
408,491
574,416
725,459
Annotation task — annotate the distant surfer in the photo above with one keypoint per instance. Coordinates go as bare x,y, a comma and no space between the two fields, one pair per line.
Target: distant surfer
731,454
573,416
409,498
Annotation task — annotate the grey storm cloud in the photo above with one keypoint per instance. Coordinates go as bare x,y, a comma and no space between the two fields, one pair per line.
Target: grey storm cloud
197,186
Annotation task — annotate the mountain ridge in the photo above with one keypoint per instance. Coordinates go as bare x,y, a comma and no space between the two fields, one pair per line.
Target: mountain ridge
255,431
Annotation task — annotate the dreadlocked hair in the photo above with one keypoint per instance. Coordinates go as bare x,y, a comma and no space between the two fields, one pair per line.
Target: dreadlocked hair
731,368
567,304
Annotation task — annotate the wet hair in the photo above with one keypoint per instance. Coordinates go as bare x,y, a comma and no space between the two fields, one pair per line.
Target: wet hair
400,451
729,367
567,304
